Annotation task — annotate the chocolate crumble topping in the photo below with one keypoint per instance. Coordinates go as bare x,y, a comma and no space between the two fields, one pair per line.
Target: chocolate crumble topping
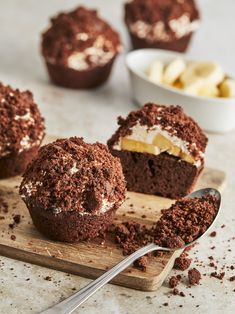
70,175
74,32
152,11
21,124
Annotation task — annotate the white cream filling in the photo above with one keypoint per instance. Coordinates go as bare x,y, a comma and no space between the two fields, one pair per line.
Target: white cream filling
95,54
31,188
6,151
82,36
26,116
56,211
181,26
74,169
106,205
25,141
142,133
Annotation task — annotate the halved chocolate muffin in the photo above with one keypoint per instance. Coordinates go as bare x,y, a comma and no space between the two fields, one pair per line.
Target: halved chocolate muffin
163,24
161,150
79,49
73,189
21,130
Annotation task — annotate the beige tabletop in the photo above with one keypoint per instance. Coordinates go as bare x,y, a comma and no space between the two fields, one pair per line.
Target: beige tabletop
92,115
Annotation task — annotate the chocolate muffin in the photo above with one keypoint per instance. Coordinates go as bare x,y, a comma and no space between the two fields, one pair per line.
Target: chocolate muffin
163,24
79,49
161,150
72,189
21,130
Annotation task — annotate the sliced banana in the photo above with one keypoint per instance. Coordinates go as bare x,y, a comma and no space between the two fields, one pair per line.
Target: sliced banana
227,88
201,88
173,71
156,72
139,147
193,87
208,90
178,84
209,72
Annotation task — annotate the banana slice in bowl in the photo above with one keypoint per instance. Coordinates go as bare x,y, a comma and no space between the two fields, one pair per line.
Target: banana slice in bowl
173,71
156,72
205,92
227,88
199,87
208,72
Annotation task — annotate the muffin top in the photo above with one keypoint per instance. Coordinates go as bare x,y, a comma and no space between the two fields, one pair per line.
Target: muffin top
71,175
163,129
161,19
80,39
21,124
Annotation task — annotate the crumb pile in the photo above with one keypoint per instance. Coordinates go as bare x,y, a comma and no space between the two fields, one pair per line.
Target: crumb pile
187,219
181,224
22,126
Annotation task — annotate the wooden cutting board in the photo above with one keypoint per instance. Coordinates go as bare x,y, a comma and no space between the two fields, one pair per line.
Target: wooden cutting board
89,259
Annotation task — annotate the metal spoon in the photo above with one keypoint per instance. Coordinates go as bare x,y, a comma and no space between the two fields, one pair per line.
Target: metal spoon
70,304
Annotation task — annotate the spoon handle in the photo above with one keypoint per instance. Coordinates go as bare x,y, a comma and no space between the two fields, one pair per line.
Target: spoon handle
70,304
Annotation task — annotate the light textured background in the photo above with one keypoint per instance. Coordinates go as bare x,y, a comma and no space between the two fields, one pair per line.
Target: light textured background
93,115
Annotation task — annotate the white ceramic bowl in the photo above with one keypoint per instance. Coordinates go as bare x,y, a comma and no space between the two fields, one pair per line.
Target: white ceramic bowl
212,114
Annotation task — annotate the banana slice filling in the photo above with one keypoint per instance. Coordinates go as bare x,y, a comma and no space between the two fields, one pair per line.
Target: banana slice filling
159,145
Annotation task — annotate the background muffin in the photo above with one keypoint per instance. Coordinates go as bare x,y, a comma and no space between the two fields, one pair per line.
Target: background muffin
163,24
21,130
161,150
79,49
72,189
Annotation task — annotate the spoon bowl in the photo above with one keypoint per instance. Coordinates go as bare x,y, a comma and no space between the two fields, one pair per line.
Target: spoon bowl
198,194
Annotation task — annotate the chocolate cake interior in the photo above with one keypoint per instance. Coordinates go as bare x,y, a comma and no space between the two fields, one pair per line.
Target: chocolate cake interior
163,174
